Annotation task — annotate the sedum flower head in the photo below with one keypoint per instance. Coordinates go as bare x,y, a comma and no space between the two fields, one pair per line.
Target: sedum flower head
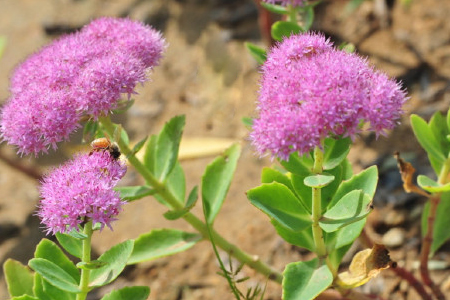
287,2
82,74
311,90
80,191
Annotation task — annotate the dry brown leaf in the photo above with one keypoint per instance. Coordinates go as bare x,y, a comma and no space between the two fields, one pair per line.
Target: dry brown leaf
407,172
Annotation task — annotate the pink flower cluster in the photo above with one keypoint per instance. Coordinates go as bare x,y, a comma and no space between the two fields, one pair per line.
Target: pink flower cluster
81,191
287,2
311,90
81,74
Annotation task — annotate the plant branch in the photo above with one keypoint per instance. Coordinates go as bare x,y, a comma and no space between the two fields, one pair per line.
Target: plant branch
252,261
86,258
319,242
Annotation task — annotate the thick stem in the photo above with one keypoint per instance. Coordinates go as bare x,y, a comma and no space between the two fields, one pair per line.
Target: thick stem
319,242
86,258
245,258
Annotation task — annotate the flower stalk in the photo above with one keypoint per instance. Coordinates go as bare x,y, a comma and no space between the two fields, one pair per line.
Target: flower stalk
319,242
86,258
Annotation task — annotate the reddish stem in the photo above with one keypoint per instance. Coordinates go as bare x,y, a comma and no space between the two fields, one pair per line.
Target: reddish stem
426,246
265,22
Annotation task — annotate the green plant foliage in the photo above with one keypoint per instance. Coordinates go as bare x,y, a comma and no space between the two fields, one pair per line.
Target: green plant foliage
131,193
278,202
441,234
49,250
216,181
349,209
19,278
335,152
176,184
161,242
260,55
283,29
299,165
318,181
277,9
138,146
46,291
303,239
129,293
24,297
270,175
116,259
432,186
428,141
55,275
162,151
305,280
190,203
72,245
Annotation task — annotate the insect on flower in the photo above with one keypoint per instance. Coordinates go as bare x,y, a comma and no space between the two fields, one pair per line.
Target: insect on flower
104,144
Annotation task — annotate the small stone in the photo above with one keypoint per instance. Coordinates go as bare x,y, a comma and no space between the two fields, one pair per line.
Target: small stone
395,237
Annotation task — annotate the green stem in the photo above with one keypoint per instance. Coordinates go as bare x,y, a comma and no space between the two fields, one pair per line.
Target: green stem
245,258
86,258
292,15
319,242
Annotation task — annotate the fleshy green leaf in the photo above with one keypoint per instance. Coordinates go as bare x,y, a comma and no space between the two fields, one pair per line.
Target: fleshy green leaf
303,192
24,297
318,180
160,243
176,184
308,17
50,251
277,9
116,259
351,208
282,29
278,202
190,203
270,175
72,245
45,291
216,181
303,239
54,274
162,151
129,293
431,186
305,280
365,181
89,130
335,152
258,53
440,231
299,165
428,141
92,265
138,146
131,193
438,126
19,278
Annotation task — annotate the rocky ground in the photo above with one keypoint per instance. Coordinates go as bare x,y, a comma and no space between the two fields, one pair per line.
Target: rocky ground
208,76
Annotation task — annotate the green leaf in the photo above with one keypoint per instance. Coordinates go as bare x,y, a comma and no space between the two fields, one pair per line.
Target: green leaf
278,202
247,121
19,278
428,141
92,265
365,181
305,280
344,236
441,234
438,126
303,192
89,130
129,293
277,9
160,243
431,186
308,16
258,53
45,291
299,165
303,239
318,180
77,233
138,146
116,259
54,274
270,175
50,251
282,29
162,152
131,193
335,152
176,184
72,245
190,203
349,209
24,297
216,181
123,105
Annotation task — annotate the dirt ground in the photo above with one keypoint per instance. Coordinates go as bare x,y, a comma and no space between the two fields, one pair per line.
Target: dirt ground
207,75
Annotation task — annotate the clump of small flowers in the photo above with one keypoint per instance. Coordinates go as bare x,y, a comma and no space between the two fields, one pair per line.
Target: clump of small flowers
81,74
287,2
311,90
81,191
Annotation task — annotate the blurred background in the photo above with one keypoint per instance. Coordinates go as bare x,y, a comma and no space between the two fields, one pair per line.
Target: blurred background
208,75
